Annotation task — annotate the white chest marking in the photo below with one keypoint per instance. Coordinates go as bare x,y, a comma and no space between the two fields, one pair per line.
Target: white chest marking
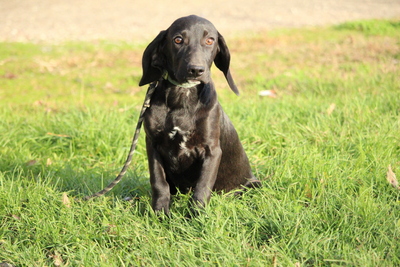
184,134
174,131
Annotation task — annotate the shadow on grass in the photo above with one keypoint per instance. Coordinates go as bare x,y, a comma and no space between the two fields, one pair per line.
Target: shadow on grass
78,182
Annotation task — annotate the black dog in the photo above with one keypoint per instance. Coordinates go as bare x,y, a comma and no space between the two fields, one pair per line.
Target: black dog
190,141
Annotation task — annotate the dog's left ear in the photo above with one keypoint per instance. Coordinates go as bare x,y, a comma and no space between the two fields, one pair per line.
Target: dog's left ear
222,61
153,60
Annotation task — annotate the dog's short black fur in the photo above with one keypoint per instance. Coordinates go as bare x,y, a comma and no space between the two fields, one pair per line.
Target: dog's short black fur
190,141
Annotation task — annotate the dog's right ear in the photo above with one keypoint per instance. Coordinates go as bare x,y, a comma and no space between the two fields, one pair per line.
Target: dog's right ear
153,60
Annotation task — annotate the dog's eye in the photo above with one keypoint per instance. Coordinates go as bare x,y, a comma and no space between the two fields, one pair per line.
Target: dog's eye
178,40
209,41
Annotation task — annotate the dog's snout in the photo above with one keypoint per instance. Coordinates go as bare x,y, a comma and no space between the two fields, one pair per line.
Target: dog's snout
195,70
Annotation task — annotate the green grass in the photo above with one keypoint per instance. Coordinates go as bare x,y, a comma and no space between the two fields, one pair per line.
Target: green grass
321,148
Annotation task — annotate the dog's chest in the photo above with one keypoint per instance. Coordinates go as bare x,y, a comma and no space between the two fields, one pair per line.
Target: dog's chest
174,135
178,127
177,133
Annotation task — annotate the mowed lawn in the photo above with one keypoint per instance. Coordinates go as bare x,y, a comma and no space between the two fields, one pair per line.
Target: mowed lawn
321,141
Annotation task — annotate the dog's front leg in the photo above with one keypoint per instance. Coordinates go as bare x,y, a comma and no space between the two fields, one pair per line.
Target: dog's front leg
205,184
159,186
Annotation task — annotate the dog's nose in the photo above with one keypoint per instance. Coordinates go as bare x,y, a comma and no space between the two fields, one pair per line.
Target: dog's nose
195,70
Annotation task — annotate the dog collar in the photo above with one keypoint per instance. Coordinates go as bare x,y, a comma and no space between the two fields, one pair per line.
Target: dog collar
184,85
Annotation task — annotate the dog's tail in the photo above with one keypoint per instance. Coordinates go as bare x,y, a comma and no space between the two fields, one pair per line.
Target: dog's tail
135,139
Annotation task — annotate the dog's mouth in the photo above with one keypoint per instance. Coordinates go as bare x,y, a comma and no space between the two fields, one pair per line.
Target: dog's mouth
186,82
195,80
198,81
191,83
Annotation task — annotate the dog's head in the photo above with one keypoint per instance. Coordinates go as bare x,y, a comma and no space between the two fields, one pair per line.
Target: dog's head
186,51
